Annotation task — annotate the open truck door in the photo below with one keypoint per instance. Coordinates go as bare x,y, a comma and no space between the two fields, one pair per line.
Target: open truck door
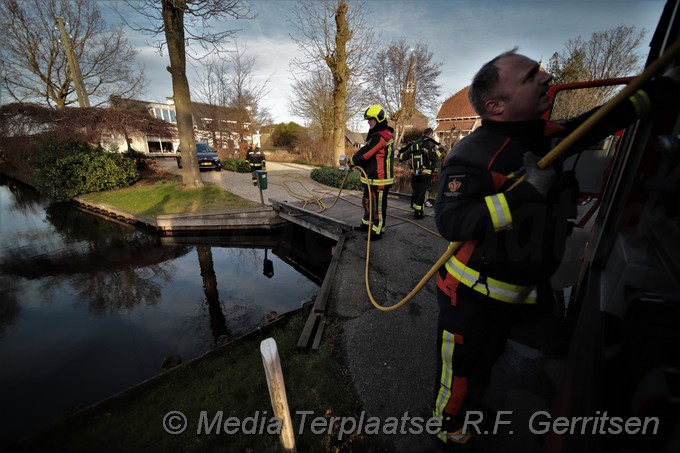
593,165
623,362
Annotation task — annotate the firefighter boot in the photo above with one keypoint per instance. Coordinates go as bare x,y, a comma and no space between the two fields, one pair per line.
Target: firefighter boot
458,441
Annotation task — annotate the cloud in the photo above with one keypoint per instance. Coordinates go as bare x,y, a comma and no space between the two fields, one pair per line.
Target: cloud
462,35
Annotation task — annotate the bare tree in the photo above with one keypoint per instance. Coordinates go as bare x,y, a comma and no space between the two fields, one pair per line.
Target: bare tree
246,92
312,98
609,54
232,83
213,90
33,60
183,23
406,80
333,37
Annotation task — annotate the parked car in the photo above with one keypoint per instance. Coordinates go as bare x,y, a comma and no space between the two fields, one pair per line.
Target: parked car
207,158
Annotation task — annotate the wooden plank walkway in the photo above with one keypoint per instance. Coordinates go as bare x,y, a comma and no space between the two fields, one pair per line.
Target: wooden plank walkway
333,219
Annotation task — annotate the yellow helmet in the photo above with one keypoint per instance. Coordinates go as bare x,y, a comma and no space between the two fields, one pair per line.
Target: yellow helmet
376,112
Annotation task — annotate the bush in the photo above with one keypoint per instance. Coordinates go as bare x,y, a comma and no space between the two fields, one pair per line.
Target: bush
333,177
84,171
237,165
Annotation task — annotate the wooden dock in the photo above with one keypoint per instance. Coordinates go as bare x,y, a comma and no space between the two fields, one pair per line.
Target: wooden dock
334,218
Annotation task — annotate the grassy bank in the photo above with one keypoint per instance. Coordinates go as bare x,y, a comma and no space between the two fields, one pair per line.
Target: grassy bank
169,198
232,380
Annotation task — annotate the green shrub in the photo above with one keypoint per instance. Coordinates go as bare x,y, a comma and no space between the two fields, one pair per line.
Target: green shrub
85,171
237,165
333,177
49,151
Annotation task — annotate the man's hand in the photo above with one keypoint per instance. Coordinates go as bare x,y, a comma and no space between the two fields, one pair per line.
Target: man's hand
541,179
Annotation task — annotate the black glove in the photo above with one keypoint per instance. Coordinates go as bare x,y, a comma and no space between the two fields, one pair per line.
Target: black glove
541,179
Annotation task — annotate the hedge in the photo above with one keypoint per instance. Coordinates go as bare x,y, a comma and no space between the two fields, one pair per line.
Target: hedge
236,165
85,171
333,177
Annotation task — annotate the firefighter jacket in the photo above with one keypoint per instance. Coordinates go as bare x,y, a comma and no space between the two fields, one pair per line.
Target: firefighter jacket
256,159
376,157
423,155
514,240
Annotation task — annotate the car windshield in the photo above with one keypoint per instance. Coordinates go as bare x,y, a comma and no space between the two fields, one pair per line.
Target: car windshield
203,148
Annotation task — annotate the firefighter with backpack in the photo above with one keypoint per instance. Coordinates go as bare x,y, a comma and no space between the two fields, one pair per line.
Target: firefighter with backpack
423,157
256,160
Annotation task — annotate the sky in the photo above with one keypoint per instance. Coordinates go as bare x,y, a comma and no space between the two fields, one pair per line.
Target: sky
461,34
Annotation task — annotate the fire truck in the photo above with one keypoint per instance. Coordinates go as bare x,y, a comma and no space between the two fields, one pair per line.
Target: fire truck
623,313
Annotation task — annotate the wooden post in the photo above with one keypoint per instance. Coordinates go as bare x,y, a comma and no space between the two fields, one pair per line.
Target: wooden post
277,392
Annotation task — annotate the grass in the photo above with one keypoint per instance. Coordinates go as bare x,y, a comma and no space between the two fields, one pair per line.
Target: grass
169,198
232,381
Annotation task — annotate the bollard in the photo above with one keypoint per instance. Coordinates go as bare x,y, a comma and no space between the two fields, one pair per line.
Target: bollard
277,392
261,182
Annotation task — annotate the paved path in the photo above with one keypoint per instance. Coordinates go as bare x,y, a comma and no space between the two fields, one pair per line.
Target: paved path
286,182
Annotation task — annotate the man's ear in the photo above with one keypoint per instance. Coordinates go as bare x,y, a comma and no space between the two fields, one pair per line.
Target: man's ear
494,107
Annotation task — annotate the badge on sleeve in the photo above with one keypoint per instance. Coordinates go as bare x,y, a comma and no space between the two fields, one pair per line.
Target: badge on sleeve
454,185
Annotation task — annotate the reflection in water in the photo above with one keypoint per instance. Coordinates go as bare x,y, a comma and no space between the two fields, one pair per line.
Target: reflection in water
90,307
218,323
9,307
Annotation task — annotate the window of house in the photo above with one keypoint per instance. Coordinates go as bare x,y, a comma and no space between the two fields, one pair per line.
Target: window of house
168,115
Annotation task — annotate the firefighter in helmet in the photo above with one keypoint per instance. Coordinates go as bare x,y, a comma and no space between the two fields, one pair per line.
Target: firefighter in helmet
423,157
256,159
376,159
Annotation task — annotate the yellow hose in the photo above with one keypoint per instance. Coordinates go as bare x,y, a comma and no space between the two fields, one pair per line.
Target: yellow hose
423,281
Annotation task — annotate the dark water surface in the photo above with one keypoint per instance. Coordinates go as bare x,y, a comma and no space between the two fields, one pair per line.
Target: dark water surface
89,307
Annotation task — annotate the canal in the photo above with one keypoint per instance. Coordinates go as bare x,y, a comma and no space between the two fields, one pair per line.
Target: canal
90,307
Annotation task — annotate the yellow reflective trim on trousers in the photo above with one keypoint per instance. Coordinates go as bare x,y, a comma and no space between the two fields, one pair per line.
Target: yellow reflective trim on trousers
446,378
378,229
641,102
377,182
496,289
427,172
388,159
499,211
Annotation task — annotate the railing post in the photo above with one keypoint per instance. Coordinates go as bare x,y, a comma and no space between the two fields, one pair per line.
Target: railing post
277,392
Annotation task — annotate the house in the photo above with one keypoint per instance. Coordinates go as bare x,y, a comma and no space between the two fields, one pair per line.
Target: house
455,119
221,127
418,122
154,145
354,140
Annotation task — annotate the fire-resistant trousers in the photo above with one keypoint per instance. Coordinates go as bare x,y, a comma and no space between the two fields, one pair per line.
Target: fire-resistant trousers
379,209
471,335
419,185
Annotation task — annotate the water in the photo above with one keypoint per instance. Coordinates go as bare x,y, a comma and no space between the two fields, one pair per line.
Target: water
90,307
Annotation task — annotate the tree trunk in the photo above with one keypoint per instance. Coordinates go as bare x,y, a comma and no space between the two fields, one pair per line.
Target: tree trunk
340,70
173,18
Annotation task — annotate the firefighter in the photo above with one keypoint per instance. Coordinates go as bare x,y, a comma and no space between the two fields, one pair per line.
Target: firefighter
423,157
376,159
432,190
256,160
513,241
